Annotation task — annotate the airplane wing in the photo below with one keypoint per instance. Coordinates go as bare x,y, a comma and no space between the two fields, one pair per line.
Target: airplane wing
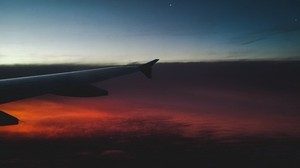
74,83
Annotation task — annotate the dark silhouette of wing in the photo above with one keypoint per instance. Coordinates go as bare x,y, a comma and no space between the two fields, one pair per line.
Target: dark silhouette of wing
74,83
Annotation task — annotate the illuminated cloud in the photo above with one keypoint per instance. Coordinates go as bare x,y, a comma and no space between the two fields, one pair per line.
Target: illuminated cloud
215,103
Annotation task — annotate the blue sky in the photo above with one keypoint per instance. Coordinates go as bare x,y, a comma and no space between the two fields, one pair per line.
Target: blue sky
90,31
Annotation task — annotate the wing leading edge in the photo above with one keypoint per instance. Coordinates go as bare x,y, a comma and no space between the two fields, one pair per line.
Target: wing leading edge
74,83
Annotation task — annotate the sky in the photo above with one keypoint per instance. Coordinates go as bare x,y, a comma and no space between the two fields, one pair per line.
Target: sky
117,32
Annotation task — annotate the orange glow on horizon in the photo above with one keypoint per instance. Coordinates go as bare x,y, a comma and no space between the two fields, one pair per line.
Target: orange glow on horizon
41,118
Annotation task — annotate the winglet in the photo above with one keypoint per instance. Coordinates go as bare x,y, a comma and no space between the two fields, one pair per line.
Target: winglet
146,69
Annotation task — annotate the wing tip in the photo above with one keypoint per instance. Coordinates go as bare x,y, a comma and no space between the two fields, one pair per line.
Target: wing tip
146,68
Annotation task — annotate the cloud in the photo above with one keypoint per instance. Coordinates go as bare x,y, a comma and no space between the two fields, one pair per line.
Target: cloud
116,154
227,98
191,114
264,34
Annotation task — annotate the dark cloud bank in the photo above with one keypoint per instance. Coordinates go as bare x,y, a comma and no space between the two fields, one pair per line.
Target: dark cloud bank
266,87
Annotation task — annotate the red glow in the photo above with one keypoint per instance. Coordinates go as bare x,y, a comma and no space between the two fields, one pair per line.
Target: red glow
58,117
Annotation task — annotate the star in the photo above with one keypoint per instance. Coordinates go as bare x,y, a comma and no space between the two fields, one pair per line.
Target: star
170,5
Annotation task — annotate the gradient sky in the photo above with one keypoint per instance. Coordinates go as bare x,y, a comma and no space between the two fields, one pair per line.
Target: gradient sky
90,31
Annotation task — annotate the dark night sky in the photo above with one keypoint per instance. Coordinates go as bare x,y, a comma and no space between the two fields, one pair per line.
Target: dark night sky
63,31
